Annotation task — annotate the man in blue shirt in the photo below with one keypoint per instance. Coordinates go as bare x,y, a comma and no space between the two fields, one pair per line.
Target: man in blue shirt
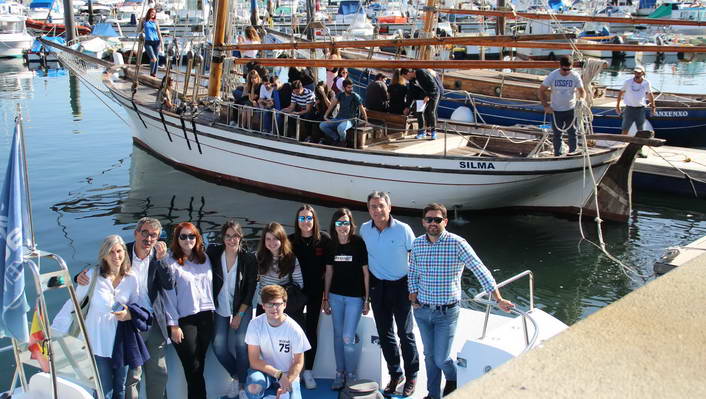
351,109
435,269
388,242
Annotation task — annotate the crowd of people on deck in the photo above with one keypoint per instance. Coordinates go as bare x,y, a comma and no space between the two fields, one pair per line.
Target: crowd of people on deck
329,108
260,310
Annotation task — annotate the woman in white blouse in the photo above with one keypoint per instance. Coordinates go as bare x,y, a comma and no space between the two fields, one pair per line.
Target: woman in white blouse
115,284
190,305
276,262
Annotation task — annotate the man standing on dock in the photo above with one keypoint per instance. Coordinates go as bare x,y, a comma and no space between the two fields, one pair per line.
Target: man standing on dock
389,242
153,277
564,84
435,269
635,90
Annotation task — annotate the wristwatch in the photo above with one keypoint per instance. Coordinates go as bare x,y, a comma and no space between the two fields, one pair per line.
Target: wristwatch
278,374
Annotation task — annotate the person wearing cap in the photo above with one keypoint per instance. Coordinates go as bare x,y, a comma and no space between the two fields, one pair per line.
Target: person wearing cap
564,84
635,91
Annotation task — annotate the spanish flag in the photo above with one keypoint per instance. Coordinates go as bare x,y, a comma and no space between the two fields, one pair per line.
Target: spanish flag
37,346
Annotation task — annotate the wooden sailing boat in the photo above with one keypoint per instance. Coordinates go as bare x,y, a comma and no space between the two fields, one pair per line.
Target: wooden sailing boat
470,167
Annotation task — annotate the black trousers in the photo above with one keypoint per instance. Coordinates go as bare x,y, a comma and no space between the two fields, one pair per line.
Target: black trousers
198,332
430,113
311,326
390,301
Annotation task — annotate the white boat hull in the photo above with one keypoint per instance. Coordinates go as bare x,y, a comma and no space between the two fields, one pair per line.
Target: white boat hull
14,44
347,176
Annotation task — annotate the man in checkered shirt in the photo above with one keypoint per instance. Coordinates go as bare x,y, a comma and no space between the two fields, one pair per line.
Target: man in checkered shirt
436,265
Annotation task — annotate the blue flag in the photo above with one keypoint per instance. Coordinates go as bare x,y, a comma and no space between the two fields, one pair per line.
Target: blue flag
15,236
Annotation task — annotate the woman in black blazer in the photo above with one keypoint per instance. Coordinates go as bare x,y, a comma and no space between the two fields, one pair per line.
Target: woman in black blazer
234,282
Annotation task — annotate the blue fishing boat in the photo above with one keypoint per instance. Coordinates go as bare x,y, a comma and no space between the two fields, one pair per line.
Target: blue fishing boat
680,118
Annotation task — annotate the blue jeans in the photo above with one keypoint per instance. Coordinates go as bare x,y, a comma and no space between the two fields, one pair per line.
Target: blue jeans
336,128
152,50
345,311
229,345
112,380
563,120
260,384
437,328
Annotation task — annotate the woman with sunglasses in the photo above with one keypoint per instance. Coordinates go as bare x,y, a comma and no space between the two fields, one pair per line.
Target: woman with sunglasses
312,248
276,263
346,290
234,282
190,305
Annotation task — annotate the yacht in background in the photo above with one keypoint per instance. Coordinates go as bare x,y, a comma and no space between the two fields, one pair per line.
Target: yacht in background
14,38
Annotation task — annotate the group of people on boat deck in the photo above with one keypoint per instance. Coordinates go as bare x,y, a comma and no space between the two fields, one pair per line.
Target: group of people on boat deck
566,87
143,295
412,91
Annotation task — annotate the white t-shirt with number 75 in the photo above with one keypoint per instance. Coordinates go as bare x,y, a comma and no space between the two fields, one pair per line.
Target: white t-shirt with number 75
278,345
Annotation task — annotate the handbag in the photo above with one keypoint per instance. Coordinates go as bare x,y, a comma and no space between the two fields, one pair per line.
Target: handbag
296,299
74,329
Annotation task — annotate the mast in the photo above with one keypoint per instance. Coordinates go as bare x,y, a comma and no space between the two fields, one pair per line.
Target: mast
429,25
219,34
69,28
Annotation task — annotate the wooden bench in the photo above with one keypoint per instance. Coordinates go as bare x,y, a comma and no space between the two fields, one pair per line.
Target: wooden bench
361,137
393,125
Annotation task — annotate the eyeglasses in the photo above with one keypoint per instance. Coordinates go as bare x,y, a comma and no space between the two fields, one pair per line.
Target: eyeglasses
340,223
433,220
275,305
187,236
229,237
147,234
305,218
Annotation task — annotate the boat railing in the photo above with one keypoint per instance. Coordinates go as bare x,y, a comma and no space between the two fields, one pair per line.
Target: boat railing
266,121
77,361
483,298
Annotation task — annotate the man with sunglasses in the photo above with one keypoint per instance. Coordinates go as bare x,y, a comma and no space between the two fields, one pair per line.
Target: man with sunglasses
564,84
436,266
276,346
635,91
153,276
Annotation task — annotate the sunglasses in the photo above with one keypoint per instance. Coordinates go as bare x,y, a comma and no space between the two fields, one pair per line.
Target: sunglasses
566,68
433,220
305,218
187,237
275,305
340,223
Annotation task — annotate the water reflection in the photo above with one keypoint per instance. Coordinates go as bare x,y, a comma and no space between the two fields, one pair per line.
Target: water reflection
15,78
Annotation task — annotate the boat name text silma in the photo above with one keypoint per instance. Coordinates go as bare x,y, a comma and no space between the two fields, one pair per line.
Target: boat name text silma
476,165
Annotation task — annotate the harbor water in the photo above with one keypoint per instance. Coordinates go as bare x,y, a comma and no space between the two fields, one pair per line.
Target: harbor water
88,181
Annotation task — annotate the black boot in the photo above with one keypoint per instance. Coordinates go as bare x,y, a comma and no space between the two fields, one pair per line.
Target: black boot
449,387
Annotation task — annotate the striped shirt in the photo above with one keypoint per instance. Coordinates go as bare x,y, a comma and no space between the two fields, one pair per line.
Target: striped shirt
302,100
272,277
435,269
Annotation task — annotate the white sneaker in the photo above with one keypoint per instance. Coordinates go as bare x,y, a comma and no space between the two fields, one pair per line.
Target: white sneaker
309,382
234,389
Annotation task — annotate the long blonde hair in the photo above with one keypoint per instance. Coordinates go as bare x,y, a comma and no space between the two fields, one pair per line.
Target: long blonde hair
398,78
251,34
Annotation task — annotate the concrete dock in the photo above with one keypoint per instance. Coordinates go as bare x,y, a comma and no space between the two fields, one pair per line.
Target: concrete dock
649,344
658,172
